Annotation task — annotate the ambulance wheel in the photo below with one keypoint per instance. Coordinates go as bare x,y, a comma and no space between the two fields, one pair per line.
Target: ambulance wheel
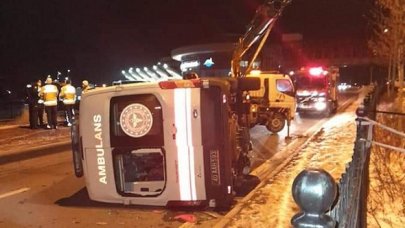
224,204
245,184
276,123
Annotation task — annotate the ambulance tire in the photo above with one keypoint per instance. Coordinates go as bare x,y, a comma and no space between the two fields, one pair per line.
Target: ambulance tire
245,184
276,122
224,204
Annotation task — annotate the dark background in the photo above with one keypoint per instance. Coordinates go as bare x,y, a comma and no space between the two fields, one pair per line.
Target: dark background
97,39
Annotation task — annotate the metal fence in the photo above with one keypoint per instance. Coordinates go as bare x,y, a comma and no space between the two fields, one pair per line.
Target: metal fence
9,109
349,208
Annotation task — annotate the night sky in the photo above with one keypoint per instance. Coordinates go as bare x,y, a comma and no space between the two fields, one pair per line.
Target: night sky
97,39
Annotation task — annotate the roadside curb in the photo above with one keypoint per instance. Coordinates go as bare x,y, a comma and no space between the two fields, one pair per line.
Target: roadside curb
12,126
32,152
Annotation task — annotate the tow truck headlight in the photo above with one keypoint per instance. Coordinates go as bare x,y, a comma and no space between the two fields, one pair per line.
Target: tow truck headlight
320,105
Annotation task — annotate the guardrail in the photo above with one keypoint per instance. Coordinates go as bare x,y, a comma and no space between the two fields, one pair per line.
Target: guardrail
10,109
315,190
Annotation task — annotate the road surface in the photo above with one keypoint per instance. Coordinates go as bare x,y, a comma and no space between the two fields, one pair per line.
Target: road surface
43,191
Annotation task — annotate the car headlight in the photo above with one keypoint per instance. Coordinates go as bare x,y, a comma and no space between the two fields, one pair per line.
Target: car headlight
320,105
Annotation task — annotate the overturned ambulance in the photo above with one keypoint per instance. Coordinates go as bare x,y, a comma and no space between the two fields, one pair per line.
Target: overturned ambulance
177,142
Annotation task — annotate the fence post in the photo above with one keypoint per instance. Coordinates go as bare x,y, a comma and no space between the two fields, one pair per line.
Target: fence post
314,190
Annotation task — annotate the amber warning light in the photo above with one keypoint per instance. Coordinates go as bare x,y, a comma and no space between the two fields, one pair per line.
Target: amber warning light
193,83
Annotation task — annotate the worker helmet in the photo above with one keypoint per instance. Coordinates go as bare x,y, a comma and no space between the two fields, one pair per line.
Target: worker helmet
85,83
48,80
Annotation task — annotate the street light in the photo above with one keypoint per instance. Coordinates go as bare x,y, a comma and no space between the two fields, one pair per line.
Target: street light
136,75
144,75
161,73
153,75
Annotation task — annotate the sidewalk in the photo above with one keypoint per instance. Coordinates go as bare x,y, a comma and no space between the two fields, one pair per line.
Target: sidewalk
21,120
271,203
331,149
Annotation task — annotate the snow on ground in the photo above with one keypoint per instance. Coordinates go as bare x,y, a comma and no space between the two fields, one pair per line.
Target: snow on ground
18,139
330,150
386,201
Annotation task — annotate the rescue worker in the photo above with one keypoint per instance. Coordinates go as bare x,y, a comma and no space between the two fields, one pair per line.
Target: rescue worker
85,86
49,93
40,109
32,100
68,97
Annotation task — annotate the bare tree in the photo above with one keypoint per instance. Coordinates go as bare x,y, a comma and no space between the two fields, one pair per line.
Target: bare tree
388,37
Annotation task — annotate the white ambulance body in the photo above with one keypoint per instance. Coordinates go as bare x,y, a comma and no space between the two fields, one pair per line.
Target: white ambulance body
162,144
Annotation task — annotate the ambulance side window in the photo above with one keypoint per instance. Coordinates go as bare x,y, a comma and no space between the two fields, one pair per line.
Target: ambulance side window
142,124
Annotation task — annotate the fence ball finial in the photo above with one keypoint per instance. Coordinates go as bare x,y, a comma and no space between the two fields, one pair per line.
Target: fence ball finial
314,190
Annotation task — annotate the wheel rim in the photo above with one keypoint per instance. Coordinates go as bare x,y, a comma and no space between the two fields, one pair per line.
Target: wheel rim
276,124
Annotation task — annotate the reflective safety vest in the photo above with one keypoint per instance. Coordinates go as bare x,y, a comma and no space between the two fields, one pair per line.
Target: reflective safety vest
68,94
49,93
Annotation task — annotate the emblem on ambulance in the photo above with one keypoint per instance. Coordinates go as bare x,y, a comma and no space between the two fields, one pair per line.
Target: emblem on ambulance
136,120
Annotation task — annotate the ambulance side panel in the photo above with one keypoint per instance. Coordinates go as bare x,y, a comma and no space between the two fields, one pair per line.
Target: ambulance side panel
193,135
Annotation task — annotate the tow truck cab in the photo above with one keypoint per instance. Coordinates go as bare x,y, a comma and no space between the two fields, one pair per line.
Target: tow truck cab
161,143
317,90
274,103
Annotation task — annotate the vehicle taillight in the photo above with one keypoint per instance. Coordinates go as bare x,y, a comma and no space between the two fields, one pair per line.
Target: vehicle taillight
173,84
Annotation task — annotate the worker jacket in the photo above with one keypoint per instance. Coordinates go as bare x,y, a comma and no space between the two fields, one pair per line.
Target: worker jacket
68,94
49,93
32,94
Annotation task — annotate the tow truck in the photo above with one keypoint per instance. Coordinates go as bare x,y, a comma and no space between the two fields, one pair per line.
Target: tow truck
317,90
171,143
273,105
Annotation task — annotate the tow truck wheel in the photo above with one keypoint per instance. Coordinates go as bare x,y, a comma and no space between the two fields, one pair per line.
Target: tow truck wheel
276,123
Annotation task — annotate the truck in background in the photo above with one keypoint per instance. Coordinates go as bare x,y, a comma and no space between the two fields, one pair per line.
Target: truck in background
316,90
273,105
